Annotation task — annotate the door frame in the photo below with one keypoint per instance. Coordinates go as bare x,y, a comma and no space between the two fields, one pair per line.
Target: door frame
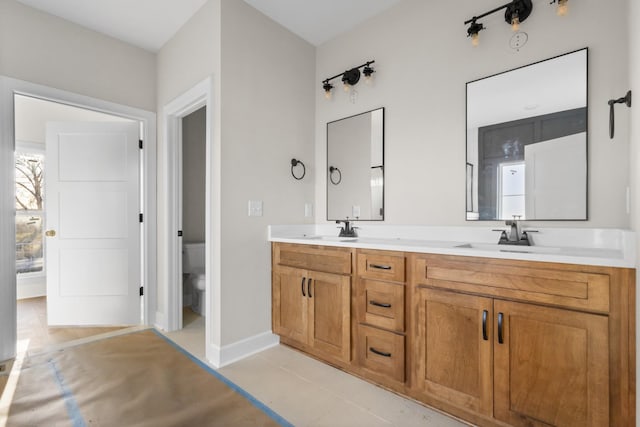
200,95
8,88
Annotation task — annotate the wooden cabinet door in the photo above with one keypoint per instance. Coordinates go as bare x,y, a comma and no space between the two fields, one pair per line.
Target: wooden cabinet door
290,308
453,349
552,367
330,314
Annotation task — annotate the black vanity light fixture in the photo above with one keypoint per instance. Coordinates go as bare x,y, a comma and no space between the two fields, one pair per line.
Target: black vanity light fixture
349,78
515,12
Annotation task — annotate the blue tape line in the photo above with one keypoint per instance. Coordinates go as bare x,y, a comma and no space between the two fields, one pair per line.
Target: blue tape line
69,401
264,408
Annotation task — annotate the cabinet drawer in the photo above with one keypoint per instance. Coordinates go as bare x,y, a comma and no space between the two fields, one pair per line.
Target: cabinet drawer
317,258
381,352
530,281
381,266
381,304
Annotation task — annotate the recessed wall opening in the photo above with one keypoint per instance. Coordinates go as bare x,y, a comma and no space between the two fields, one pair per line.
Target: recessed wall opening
193,195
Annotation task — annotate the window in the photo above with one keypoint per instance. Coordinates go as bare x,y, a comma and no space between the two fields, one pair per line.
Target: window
29,212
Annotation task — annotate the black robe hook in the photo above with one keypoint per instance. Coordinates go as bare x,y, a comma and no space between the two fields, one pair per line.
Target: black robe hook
624,100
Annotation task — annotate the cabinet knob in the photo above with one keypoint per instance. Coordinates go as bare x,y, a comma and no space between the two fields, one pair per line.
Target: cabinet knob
50,233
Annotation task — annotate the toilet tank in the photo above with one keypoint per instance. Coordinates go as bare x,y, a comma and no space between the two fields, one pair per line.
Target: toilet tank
193,257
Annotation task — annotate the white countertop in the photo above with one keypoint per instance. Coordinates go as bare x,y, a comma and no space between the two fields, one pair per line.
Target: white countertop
587,246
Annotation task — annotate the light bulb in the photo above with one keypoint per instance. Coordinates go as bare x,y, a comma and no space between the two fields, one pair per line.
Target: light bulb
327,94
346,86
515,22
475,39
563,7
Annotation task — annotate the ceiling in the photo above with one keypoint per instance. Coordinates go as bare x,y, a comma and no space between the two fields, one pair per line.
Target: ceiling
149,24
318,21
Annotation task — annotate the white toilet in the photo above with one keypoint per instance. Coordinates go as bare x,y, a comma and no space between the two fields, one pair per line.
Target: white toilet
194,274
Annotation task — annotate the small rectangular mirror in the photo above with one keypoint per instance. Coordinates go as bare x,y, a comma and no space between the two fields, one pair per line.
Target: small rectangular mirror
527,142
355,167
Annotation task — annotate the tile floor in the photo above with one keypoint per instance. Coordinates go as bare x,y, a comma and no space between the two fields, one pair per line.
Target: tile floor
304,391
307,392
35,335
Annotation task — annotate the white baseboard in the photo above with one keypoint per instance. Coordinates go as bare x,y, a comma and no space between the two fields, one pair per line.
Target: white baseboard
31,286
31,290
226,355
160,322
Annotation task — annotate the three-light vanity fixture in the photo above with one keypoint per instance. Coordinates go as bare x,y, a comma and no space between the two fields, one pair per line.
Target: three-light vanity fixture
516,11
349,78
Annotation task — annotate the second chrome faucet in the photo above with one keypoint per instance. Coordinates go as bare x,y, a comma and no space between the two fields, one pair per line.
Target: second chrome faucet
348,230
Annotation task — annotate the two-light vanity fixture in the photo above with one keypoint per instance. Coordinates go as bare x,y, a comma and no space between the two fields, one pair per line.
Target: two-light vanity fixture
349,78
516,11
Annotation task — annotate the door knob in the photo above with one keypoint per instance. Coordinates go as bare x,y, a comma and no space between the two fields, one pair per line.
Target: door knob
50,233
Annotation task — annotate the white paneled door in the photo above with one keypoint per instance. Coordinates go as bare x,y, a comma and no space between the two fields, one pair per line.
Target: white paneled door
93,228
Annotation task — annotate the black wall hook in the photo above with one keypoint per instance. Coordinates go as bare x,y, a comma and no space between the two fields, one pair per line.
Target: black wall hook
624,100
295,163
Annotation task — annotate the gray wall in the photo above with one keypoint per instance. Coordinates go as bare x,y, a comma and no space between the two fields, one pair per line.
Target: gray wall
190,56
193,175
263,115
267,119
423,60
41,48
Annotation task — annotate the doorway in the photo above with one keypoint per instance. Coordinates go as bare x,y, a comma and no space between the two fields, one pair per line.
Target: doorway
199,96
40,154
192,217
9,88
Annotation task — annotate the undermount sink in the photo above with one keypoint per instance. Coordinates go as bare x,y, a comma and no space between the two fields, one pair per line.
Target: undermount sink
510,248
332,238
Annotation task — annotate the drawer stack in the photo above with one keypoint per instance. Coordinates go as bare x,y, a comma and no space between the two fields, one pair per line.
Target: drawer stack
380,308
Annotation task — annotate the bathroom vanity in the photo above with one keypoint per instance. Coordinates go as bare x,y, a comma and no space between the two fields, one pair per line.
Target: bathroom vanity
528,337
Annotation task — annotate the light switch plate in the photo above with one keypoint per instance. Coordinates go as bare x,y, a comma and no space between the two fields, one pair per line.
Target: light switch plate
355,211
255,207
308,210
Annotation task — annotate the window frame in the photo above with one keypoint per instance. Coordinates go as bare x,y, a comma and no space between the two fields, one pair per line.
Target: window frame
31,147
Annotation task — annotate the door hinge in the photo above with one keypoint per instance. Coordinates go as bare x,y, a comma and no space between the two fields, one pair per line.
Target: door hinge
141,291
140,144
141,217
179,233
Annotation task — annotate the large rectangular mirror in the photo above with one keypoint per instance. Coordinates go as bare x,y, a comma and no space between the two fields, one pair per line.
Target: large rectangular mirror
527,142
355,167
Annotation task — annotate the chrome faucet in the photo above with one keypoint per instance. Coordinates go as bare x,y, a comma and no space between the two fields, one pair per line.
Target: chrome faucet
348,230
514,233
514,236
